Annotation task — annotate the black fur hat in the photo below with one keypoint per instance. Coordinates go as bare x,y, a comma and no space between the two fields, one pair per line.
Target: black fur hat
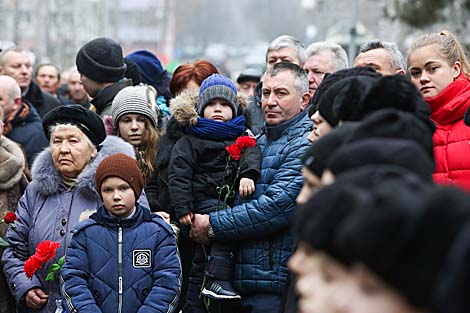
320,218
347,103
393,91
330,79
412,237
404,153
393,123
316,157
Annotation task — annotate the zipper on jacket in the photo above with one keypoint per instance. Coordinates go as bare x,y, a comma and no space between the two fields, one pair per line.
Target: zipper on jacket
67,298
120,268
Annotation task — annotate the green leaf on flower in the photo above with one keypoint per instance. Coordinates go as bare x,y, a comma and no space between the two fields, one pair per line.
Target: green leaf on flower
3,243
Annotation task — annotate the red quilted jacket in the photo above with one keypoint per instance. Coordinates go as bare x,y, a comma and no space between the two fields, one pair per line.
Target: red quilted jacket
452,136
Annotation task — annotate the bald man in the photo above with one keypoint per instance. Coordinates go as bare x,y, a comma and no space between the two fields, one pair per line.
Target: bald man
22,123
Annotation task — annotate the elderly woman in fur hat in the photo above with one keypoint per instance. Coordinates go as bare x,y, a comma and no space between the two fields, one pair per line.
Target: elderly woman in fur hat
61,193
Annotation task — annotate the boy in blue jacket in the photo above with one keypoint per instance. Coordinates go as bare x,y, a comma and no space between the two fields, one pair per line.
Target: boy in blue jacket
123,258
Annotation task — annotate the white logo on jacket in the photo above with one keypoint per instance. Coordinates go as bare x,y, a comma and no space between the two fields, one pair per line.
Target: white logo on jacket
141,258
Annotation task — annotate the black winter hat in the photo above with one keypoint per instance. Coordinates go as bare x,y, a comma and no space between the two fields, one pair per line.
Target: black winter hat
395,91
320,218
330,79
369,176
412,236
453,283
87,121
393,123
404,153
317,156
101,60
347,103
132,72
325,105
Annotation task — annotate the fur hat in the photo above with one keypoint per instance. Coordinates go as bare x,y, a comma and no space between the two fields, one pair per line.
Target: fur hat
101,60
87,121
351,90
217,86
412,236
134,100
317,156
361,97
393,123
404,153
330,79
321,217
122,166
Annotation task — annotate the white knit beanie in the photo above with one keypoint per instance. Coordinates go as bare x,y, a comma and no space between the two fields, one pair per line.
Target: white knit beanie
134,100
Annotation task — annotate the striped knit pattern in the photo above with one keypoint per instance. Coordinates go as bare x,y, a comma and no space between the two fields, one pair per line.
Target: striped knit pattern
133,100
217,87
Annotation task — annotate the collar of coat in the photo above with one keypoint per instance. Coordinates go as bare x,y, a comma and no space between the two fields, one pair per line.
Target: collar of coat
48,181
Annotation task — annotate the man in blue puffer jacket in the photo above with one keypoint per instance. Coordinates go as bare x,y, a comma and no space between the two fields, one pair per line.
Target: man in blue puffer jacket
260,224
124,258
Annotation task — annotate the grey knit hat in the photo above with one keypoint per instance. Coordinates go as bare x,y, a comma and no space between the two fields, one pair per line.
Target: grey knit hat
135,100
217,87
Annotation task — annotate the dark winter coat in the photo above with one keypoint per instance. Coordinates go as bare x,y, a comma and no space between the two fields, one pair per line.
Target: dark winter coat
198,168
104,99
198,165
49,211
28,132
42,101
90,274
157,187
260,224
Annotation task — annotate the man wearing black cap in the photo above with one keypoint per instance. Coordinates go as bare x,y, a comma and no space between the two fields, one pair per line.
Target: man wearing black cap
102,68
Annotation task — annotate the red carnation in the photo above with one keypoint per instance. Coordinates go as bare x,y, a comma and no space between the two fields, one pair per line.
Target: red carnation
31,265
10,217
234,152
45,251
244,142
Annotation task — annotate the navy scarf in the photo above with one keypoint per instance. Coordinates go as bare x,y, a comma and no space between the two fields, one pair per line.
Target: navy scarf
215,130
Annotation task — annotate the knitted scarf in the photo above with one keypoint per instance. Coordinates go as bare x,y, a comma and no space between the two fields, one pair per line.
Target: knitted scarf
215,130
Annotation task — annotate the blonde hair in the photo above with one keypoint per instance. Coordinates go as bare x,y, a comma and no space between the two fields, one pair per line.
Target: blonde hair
449,47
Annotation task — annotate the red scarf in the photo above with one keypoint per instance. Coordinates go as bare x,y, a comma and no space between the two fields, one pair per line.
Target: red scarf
450,105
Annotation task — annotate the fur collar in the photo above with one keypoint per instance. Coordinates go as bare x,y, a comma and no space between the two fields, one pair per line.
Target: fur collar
48,181
12,162
183,107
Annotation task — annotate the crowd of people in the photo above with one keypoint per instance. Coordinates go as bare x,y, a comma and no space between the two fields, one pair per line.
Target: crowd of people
314,186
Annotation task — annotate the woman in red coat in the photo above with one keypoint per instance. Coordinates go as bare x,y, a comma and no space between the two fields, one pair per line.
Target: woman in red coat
440,70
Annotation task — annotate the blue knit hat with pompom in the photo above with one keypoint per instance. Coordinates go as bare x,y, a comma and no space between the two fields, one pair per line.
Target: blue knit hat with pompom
217,86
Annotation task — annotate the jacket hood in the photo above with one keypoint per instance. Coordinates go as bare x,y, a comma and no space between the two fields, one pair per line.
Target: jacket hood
183,107
48,180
